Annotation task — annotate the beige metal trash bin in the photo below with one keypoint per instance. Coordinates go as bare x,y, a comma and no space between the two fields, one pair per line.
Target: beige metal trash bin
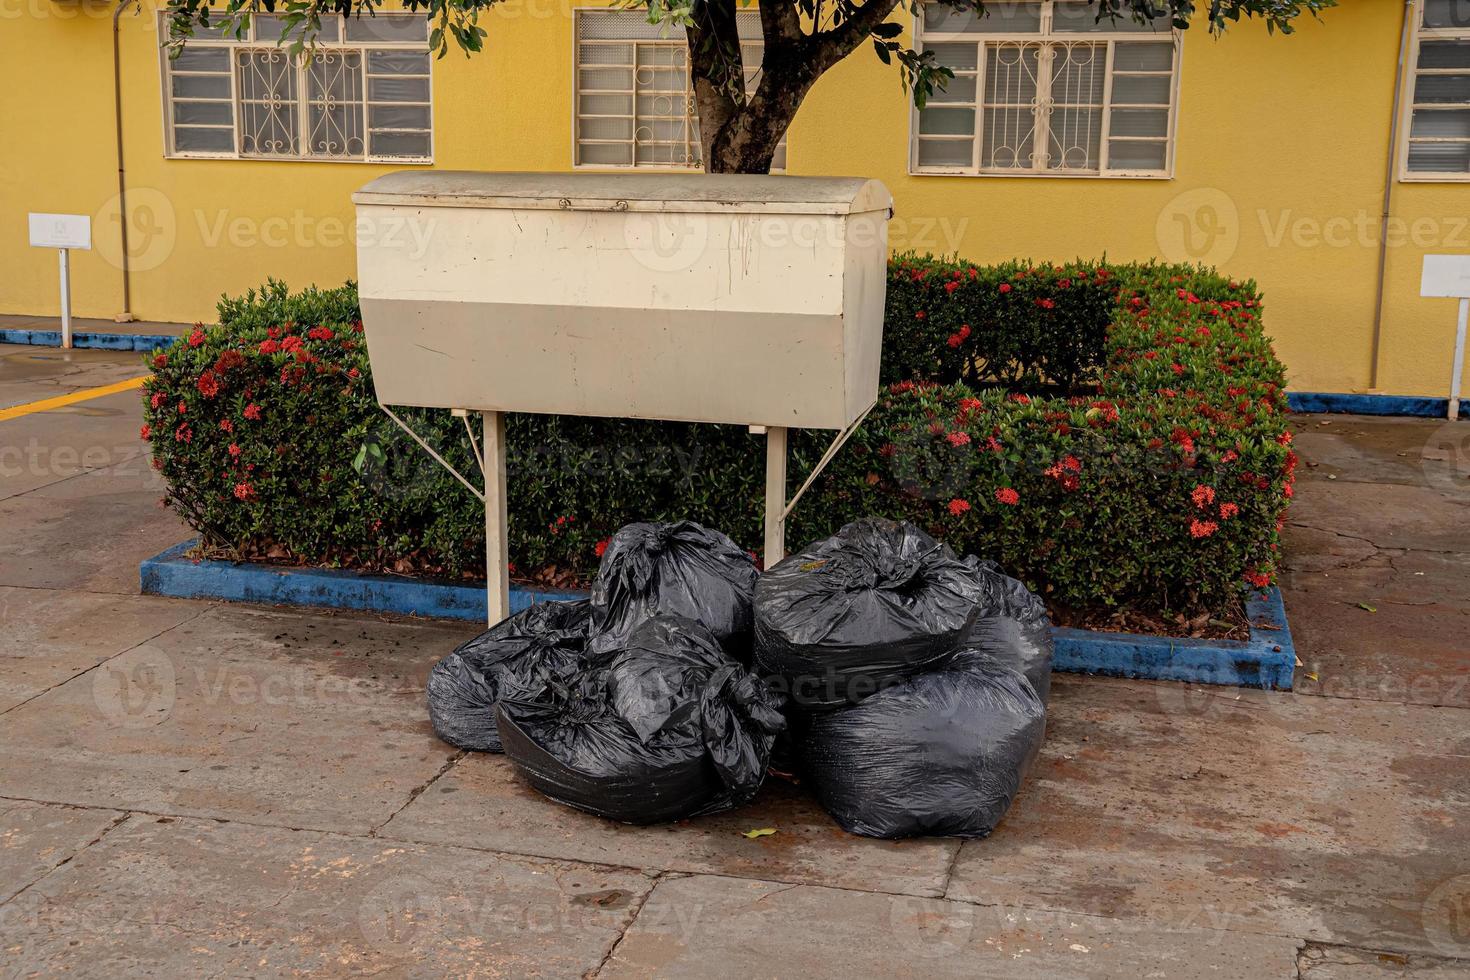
753,300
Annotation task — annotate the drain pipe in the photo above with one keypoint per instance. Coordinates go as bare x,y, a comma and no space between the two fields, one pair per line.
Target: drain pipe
1389,173
126,316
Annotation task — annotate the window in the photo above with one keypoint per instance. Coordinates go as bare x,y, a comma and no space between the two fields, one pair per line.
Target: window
1043,88
635,100
1437,106
362,95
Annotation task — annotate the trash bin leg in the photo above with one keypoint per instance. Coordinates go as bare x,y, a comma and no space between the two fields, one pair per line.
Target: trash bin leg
775,548
497,549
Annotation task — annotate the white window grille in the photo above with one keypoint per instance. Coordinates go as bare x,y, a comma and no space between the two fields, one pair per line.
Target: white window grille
1043,88
363,94
1436,123
634,96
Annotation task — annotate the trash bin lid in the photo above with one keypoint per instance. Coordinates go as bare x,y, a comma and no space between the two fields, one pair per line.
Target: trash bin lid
686,193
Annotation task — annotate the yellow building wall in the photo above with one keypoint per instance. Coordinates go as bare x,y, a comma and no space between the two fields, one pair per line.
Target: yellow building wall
1279,167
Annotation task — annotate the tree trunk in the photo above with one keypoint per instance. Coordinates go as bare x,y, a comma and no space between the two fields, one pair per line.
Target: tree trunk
740,134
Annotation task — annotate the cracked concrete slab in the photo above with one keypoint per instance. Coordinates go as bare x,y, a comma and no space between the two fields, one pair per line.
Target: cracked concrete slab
273,717
197,898
709,927
49,447
1334,963
51,636
36,838
53,371
1383,451
88,533
1266,813
1401,652
482,803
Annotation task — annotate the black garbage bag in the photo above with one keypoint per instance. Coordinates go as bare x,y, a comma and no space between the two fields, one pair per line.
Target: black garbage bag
942,754
544,641
1012,626
664,728
874,604
680,569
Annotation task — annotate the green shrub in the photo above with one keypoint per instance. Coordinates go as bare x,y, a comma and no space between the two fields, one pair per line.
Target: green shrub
1115,434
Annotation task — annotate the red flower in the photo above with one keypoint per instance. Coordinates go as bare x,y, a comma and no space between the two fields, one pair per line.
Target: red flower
1229,510
1021,399
252,411
208,384
955,340
1258,578
229,360
958,438
1047,304
1005,287
320,333
183,434
1284,438
160,360
1008,496
269,346
602,546
354,373
958,506
1203,495
235,450
919,315
1202,529
1072,463
291,343
157,399
196,338
950,287
183,407
227,425
244,491
1230,456
146,431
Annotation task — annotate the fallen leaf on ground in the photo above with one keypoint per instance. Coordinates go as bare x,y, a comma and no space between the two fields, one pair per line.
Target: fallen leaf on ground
758,832
1367,608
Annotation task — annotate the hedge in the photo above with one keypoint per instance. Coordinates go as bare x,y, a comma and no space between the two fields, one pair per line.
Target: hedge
1115,434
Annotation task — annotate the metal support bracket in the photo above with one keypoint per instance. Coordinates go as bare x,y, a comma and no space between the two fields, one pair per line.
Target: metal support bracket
778,508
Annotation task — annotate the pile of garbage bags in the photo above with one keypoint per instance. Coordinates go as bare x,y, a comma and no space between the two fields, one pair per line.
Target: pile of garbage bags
906,685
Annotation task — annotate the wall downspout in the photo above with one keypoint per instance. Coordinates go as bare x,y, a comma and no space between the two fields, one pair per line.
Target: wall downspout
1389,173
126,316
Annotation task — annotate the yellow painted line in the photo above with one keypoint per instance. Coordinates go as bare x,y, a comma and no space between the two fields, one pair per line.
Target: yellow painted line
85,395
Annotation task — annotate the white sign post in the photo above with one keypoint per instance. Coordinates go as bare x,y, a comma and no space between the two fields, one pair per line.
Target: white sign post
62,232
1448,276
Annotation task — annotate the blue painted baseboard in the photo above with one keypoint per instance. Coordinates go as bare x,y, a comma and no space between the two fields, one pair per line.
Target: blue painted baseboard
1266,660
96,341
1416,406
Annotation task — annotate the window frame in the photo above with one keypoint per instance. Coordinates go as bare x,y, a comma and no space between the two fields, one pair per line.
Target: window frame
1407,86
254,40
1048,39
692,113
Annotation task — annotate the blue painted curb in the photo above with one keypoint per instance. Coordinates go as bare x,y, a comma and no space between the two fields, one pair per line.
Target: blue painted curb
1266,660
172,573
1415,406
96,341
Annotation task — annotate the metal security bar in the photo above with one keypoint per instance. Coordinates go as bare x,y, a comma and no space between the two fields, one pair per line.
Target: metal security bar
1436,108
634,96
1043,88
362,95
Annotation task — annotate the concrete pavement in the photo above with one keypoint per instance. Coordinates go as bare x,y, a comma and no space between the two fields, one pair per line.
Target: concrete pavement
191,788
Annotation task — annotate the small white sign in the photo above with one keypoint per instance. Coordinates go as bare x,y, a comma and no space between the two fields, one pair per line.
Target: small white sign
61,231
1446,276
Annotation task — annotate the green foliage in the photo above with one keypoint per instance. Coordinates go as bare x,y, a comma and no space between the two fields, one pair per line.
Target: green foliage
267,432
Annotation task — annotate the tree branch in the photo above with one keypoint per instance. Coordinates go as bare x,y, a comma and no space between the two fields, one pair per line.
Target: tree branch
831,46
